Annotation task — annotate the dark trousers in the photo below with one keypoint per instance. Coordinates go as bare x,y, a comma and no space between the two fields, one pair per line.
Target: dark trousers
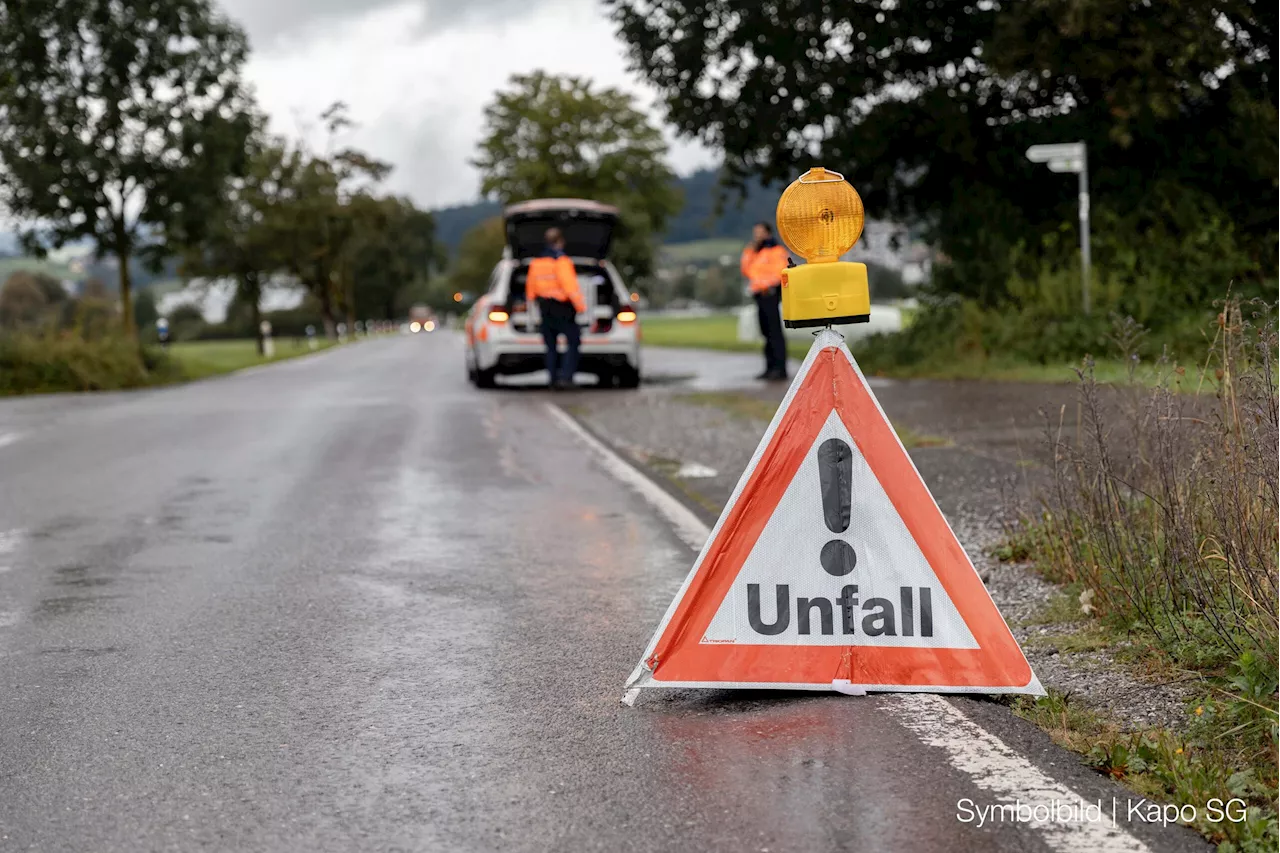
768,304
559,318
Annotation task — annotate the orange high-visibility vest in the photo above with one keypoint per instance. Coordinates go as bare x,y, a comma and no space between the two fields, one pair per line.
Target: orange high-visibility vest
554,278
764,268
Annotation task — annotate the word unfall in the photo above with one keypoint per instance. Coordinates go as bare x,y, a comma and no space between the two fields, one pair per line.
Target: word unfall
880,616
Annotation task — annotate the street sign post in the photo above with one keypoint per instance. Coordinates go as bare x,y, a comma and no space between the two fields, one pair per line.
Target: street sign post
1071,157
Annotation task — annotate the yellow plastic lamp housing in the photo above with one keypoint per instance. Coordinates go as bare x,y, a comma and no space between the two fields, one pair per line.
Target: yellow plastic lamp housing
820,217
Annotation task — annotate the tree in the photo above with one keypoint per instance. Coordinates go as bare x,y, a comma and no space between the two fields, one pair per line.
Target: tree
928,108
145,313
116,118
186,322
550,136
315,222
22,302
394,251
237,240
478,252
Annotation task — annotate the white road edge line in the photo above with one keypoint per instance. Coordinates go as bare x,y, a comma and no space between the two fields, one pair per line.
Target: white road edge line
687,525
986,760
1008,776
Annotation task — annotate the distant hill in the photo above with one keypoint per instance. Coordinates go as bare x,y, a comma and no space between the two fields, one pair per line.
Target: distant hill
696,221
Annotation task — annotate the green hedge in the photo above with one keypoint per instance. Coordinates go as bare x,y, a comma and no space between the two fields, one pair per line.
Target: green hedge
42,364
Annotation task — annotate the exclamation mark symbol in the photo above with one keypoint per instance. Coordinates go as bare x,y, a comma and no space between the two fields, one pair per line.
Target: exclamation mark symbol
835,476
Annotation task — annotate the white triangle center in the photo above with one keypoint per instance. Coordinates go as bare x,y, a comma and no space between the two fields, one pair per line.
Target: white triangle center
890,598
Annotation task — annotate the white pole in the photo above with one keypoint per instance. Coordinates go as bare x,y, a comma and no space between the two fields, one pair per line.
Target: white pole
1085,259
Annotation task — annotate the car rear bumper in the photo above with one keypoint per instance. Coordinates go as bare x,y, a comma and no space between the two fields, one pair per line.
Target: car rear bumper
526,354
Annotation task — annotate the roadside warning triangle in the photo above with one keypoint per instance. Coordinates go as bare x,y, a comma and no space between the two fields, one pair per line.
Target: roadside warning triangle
832,568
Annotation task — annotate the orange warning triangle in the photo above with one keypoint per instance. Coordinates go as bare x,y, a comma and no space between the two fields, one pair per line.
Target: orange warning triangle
831,566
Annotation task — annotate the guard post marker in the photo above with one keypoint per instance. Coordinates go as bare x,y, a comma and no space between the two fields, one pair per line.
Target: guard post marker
831,566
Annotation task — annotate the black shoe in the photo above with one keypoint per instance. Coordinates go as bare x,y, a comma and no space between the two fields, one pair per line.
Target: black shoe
766,375
776,376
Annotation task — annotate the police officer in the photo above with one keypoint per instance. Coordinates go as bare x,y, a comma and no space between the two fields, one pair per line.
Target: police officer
762,263
553,282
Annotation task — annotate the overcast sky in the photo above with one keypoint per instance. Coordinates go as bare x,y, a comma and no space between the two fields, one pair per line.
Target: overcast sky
416,74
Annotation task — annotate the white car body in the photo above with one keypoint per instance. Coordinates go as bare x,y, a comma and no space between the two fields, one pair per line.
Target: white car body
502,328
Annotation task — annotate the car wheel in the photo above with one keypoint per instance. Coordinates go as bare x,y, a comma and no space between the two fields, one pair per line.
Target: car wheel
627,377
485,378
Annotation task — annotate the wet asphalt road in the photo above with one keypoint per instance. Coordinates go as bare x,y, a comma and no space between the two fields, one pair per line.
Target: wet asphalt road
350,603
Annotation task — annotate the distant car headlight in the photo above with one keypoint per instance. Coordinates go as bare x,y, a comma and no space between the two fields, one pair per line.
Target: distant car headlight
430,325
415,326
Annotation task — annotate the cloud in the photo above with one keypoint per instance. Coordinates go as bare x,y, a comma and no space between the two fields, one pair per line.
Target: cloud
416,75
270,22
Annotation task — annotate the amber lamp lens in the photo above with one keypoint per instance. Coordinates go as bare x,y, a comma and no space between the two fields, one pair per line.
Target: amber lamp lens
820,216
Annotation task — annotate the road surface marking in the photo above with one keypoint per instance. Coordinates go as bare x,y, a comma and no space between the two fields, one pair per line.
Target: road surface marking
8,438
1008,776
986,760
687,525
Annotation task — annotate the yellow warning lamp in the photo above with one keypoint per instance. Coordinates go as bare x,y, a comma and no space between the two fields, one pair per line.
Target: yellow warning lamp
820,217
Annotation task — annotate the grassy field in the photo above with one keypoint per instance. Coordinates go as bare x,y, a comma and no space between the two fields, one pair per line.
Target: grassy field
704,251
715,331
720,332
201,359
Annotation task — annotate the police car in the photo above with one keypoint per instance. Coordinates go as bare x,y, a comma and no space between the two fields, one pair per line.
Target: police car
502,326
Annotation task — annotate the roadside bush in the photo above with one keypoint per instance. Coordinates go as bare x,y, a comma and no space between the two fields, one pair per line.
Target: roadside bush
1168,512
68,362
1044,324
1163,507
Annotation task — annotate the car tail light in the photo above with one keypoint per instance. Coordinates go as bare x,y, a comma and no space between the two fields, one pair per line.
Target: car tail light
498,316
626,315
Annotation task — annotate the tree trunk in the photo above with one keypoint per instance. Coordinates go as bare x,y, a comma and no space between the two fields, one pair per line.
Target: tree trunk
126,285
326,314
324,288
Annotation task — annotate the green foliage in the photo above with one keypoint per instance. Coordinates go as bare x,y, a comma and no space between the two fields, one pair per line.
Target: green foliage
480,249
928,108
1161,513
352,250
393,253
70,362
558,137
186,323
234,237
145,313
115,118
23,302
1208,760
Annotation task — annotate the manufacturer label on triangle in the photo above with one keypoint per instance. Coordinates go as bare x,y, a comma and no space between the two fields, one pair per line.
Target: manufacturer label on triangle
832,567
